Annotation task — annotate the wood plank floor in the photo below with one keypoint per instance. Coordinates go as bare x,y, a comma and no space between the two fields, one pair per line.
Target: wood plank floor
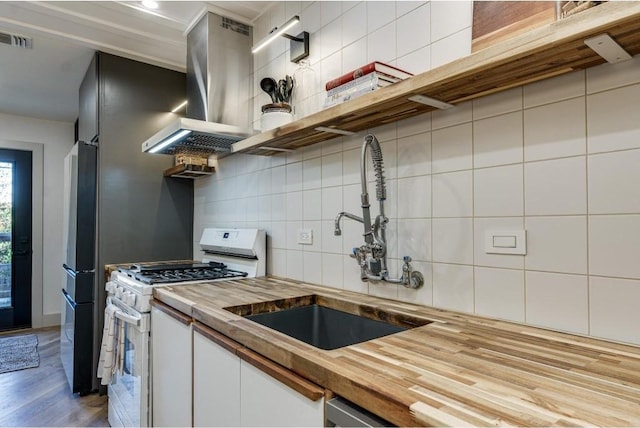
40,396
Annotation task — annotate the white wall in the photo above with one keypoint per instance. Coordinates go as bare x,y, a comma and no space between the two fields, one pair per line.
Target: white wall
558,158
50,142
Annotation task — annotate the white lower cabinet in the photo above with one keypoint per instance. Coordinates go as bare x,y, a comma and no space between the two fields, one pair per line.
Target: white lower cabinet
171,359
229,391
267,402
216,384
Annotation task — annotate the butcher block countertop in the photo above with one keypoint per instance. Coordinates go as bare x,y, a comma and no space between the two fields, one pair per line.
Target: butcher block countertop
456,370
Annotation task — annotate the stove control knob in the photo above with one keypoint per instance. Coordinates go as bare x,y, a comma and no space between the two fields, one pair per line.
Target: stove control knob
119,291
109,287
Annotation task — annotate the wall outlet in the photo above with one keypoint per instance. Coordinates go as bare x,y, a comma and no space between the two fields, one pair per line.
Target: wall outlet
305,236
505,242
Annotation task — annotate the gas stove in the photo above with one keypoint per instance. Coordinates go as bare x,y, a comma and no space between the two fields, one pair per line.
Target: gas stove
227,254
170,273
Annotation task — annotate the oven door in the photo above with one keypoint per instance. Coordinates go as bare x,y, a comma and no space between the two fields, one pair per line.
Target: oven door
129,388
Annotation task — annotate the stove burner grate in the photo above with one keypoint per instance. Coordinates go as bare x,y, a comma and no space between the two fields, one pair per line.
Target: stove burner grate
167,273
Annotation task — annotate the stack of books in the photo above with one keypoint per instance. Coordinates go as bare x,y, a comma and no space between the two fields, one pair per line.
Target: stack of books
362,80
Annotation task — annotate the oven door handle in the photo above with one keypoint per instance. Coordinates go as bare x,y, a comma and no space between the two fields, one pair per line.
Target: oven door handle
128,318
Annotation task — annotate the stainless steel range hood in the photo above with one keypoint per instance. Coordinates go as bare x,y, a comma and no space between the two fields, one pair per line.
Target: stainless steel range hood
219,91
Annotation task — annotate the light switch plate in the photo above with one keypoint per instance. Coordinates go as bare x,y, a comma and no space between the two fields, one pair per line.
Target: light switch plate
305,236
505,242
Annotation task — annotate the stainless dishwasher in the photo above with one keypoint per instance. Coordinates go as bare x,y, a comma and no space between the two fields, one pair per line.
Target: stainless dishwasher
343,413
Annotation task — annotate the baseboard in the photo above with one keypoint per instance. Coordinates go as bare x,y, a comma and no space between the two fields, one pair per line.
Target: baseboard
50,320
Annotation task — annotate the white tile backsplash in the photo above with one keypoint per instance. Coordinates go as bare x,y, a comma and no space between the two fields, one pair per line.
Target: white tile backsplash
295,265
353,57
330,242
330,38
332,271
462,113
415,62
449,17
294,206
557,244
354,24
331,202
612,119
567,178
581,271
404,7
499,293
613,245
332,170
555,130
294,177
381,44
615,308
414,197
414,30
610,76
497,104
414,155
451,148
557,301
452,194
498,140
452,240
455,46
312,268
379,13
312,174
453,287
330,10
560,88
312,205
619,171
414,125
414,239
498,191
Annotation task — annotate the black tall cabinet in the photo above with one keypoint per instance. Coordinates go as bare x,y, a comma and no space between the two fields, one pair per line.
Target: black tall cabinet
141,215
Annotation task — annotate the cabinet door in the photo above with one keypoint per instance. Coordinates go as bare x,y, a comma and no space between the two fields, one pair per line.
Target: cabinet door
88,106
216,384
171,368
269,403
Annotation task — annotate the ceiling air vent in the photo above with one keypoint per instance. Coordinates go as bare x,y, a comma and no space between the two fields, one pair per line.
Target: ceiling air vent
17,41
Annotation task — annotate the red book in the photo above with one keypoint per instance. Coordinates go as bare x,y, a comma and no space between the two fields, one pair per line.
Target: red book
366,69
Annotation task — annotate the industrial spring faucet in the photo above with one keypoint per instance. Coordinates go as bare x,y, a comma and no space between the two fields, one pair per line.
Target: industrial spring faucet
372,256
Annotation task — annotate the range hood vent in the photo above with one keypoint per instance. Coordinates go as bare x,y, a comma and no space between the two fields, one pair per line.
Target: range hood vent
219,91
16,41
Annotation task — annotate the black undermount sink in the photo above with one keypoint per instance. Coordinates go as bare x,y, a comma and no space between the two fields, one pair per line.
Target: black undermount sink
326,323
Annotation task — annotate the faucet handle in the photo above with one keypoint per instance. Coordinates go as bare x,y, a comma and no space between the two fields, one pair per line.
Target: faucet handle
406,259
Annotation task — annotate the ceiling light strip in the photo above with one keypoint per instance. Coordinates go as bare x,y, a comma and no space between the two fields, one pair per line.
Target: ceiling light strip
179,106
276,32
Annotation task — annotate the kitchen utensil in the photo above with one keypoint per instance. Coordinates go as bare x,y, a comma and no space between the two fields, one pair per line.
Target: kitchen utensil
281,89
268,85
288,87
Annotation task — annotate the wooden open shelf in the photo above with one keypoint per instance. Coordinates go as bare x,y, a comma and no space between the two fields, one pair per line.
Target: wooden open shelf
189,171
545,52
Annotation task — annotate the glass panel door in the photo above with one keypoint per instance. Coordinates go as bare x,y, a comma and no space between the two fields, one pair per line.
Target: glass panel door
15,238
6,202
